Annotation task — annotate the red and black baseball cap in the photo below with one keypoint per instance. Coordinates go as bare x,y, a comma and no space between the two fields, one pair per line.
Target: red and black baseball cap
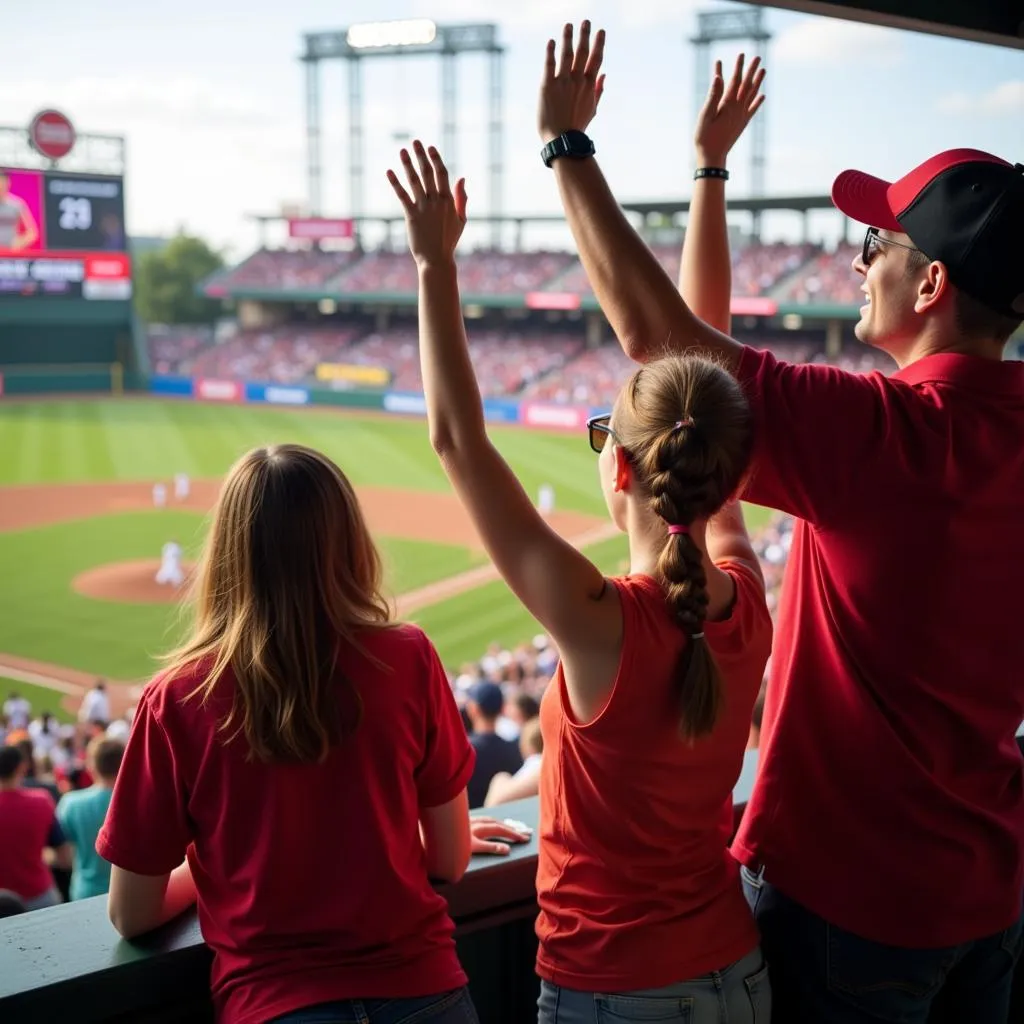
964,208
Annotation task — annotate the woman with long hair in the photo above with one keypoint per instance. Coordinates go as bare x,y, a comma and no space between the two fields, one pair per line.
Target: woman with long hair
299,766
642,914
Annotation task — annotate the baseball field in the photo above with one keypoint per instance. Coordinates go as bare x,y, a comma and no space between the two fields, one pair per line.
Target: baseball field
80,537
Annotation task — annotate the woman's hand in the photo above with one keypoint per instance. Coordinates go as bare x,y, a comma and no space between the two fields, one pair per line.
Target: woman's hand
571,90
485,830
434,217
727,111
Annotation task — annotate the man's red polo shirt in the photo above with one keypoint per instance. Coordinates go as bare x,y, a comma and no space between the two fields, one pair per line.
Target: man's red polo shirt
890,795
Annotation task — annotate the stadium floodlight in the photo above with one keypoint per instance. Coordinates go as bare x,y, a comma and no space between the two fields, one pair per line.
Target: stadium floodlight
375,34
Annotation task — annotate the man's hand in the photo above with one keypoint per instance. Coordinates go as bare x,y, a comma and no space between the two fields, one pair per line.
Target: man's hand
434,217
727,111
485,830
571,90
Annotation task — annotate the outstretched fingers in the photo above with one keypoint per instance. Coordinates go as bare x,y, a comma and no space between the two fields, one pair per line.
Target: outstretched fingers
440,172
736,81
415,185
596,59
565,62
426,170
403,197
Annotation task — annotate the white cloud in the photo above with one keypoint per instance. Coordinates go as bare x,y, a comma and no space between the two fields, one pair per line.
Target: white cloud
1004,100
817,42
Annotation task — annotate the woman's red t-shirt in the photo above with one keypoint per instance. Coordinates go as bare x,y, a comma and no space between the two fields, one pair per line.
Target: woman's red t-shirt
312,879
635,882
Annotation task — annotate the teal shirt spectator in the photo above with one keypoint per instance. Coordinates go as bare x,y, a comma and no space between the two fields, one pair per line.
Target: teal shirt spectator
81,814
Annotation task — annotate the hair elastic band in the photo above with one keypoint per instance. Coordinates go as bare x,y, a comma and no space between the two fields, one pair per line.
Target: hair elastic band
678,528
696,636
686,421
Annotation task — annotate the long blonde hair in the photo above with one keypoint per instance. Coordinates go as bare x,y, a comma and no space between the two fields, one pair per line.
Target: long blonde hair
688,429
289,572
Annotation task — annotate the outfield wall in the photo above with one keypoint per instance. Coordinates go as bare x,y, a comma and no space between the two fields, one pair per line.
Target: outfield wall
543,415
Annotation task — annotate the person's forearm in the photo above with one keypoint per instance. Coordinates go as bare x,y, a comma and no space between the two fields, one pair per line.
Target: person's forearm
636,294
633,289
454,408
705,271
180,893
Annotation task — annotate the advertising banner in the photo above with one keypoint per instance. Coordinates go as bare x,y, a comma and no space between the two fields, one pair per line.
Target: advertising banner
407,403
218,390
554,417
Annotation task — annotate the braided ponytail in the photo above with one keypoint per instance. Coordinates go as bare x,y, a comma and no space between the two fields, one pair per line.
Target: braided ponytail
686,424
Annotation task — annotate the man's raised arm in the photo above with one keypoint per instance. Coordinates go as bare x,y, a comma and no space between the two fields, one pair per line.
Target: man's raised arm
636,294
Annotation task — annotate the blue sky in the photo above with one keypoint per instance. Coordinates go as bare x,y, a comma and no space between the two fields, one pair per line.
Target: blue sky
211,97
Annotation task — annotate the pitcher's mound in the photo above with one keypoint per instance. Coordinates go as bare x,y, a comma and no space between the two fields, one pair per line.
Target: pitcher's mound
130,583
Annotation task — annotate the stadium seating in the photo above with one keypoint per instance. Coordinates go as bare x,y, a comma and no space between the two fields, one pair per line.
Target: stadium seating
829,278
283,355
286,269
803,272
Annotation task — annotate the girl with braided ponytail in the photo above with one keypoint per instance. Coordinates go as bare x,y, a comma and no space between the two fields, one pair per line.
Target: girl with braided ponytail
645,723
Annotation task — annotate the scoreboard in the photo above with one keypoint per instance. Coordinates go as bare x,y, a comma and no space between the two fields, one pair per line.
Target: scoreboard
63,235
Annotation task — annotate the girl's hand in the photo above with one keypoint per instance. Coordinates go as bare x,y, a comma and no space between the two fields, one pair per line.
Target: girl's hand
434,217
727,111
485,831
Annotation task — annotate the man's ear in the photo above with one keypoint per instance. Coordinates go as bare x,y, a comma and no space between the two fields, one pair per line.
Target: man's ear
623,471
934,287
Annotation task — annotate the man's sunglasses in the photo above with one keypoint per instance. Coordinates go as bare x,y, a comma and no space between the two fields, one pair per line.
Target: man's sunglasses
873,242
599,429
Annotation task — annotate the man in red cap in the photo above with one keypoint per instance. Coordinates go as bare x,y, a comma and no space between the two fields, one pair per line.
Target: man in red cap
883,845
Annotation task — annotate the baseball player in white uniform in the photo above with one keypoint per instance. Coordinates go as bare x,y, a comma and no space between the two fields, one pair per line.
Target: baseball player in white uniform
159,495
170,570
182,486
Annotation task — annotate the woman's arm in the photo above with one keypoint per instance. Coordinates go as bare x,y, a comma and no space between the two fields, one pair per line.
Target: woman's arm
705,271
446,838
139,903
556,583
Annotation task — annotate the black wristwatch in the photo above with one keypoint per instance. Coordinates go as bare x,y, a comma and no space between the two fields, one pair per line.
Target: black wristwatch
573,144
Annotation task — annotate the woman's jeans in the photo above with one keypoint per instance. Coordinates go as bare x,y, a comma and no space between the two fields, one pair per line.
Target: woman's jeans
739,994
453,1007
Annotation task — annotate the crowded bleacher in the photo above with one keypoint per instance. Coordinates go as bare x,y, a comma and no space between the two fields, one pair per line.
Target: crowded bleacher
803,272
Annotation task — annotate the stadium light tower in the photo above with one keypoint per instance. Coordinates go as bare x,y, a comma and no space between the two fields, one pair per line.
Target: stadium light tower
409,38
743,23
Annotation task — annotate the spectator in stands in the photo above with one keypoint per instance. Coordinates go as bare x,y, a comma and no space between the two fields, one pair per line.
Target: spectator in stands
32,777
522,708
29,831
903,592
95,706
635,716
525,782
484,704
81,814
45,734
293,748
17,711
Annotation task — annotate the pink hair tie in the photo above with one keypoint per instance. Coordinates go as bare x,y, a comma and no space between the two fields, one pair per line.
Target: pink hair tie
678,528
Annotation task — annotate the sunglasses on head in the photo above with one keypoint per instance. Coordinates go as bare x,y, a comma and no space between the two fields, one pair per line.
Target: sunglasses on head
873,242
600,430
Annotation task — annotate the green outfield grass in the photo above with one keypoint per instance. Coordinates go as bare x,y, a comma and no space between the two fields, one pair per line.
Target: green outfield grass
135,439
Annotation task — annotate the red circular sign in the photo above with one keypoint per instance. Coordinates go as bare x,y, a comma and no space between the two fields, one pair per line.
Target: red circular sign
51,134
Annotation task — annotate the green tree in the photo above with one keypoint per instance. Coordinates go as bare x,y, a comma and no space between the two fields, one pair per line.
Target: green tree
166,280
